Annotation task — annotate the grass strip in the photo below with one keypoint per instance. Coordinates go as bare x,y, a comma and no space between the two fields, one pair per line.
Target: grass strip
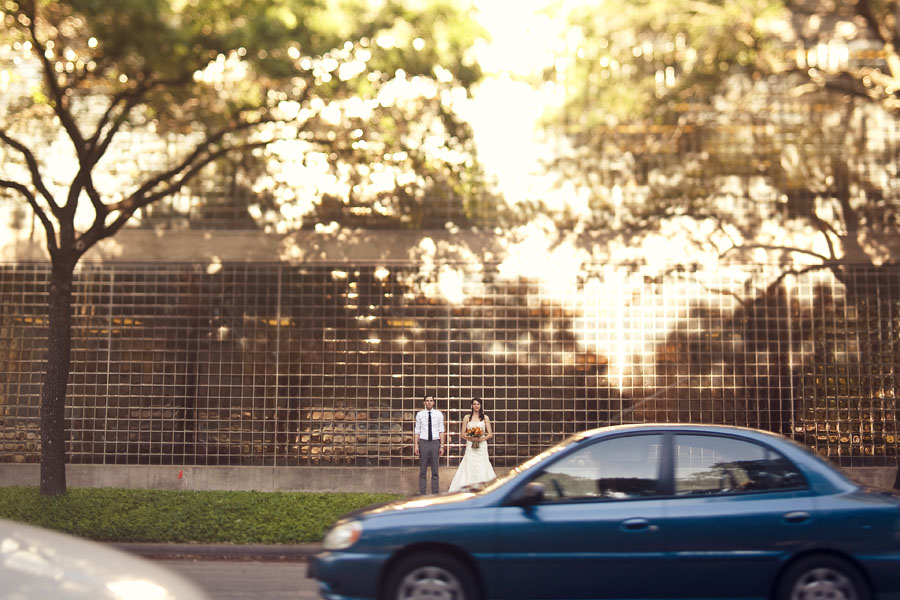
130,515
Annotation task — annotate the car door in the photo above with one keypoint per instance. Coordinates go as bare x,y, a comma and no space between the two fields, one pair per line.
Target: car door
596,532
737,510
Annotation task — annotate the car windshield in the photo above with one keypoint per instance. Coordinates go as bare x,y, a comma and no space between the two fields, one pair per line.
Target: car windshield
515,471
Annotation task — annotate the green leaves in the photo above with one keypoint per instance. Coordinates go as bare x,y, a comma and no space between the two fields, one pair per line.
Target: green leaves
634,56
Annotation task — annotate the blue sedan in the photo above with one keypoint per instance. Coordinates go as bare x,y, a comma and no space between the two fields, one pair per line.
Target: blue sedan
635,511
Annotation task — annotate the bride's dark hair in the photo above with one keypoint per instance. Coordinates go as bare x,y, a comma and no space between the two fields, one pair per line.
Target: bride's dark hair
480,408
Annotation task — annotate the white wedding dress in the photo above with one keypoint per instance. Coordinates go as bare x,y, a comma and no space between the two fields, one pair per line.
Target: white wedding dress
475,466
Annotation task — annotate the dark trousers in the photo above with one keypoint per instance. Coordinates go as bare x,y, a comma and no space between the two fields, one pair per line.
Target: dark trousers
428,456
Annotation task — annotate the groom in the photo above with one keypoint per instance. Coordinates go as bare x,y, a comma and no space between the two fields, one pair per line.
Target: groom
428,443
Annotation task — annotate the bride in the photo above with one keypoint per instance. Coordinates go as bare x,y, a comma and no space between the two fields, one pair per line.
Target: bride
476,465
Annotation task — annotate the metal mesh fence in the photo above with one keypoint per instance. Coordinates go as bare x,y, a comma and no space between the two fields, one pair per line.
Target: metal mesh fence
277,364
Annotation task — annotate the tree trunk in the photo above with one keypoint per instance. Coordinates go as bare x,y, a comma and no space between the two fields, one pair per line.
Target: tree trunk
53,395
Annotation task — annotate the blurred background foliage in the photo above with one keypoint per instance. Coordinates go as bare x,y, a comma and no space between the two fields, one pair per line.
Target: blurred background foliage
749,114
312,112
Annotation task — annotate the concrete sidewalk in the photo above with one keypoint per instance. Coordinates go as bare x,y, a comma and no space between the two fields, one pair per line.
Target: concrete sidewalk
273,552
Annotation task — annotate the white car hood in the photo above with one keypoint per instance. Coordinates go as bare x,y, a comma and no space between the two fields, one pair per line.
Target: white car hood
39,563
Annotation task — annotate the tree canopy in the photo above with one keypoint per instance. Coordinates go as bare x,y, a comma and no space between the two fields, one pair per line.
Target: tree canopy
357,86
739,112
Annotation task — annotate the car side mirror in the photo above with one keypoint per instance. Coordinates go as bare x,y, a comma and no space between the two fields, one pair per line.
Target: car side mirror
532,493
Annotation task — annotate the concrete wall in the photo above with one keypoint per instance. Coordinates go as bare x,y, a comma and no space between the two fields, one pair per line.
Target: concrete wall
395,480
882,477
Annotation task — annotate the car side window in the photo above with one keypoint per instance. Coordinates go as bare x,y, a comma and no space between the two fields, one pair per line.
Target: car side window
707,465
621,468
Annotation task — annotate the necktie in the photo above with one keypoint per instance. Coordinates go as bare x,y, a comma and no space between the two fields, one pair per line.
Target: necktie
429,427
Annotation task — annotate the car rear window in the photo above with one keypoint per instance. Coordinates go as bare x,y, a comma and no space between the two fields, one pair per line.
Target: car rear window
706,464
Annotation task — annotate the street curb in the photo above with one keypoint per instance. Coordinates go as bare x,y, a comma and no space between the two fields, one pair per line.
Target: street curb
272,552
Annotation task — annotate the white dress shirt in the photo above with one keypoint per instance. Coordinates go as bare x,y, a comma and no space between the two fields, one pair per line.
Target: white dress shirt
437,424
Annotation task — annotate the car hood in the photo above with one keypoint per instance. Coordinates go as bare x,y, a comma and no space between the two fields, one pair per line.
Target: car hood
416,504
39,563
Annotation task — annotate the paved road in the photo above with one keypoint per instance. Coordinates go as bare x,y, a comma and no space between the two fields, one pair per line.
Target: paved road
247,580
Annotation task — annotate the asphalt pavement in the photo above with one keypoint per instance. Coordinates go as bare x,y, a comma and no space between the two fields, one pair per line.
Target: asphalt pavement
274,552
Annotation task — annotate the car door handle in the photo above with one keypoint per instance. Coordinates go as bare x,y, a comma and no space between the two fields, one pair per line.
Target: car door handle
797,516
635,525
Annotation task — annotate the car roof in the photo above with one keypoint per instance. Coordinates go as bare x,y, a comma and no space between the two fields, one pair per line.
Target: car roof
700,427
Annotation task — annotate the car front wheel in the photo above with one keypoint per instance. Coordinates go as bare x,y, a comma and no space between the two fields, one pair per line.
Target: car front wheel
432,576
822,577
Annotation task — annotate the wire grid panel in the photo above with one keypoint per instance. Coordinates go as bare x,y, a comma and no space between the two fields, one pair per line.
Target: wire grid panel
23,347
278,364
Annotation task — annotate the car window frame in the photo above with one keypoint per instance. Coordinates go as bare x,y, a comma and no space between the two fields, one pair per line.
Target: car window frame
666,480
768,448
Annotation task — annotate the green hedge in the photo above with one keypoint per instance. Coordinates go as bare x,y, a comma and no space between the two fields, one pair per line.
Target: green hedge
125,515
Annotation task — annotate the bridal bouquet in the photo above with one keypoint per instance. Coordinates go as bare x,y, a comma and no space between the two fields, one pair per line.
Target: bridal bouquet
477,432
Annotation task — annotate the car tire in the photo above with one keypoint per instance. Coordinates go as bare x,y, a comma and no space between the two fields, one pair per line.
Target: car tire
822,577
430,575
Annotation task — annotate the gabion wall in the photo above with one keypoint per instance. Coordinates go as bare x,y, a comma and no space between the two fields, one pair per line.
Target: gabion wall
278,364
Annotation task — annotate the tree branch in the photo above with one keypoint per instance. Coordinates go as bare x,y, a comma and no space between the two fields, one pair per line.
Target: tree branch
774,247
194,169
863,8
188,161
896,38
850,83
885,36
842,192
826,229
129,99
48,225
141,198
60,105
100,209
95,232
33,168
